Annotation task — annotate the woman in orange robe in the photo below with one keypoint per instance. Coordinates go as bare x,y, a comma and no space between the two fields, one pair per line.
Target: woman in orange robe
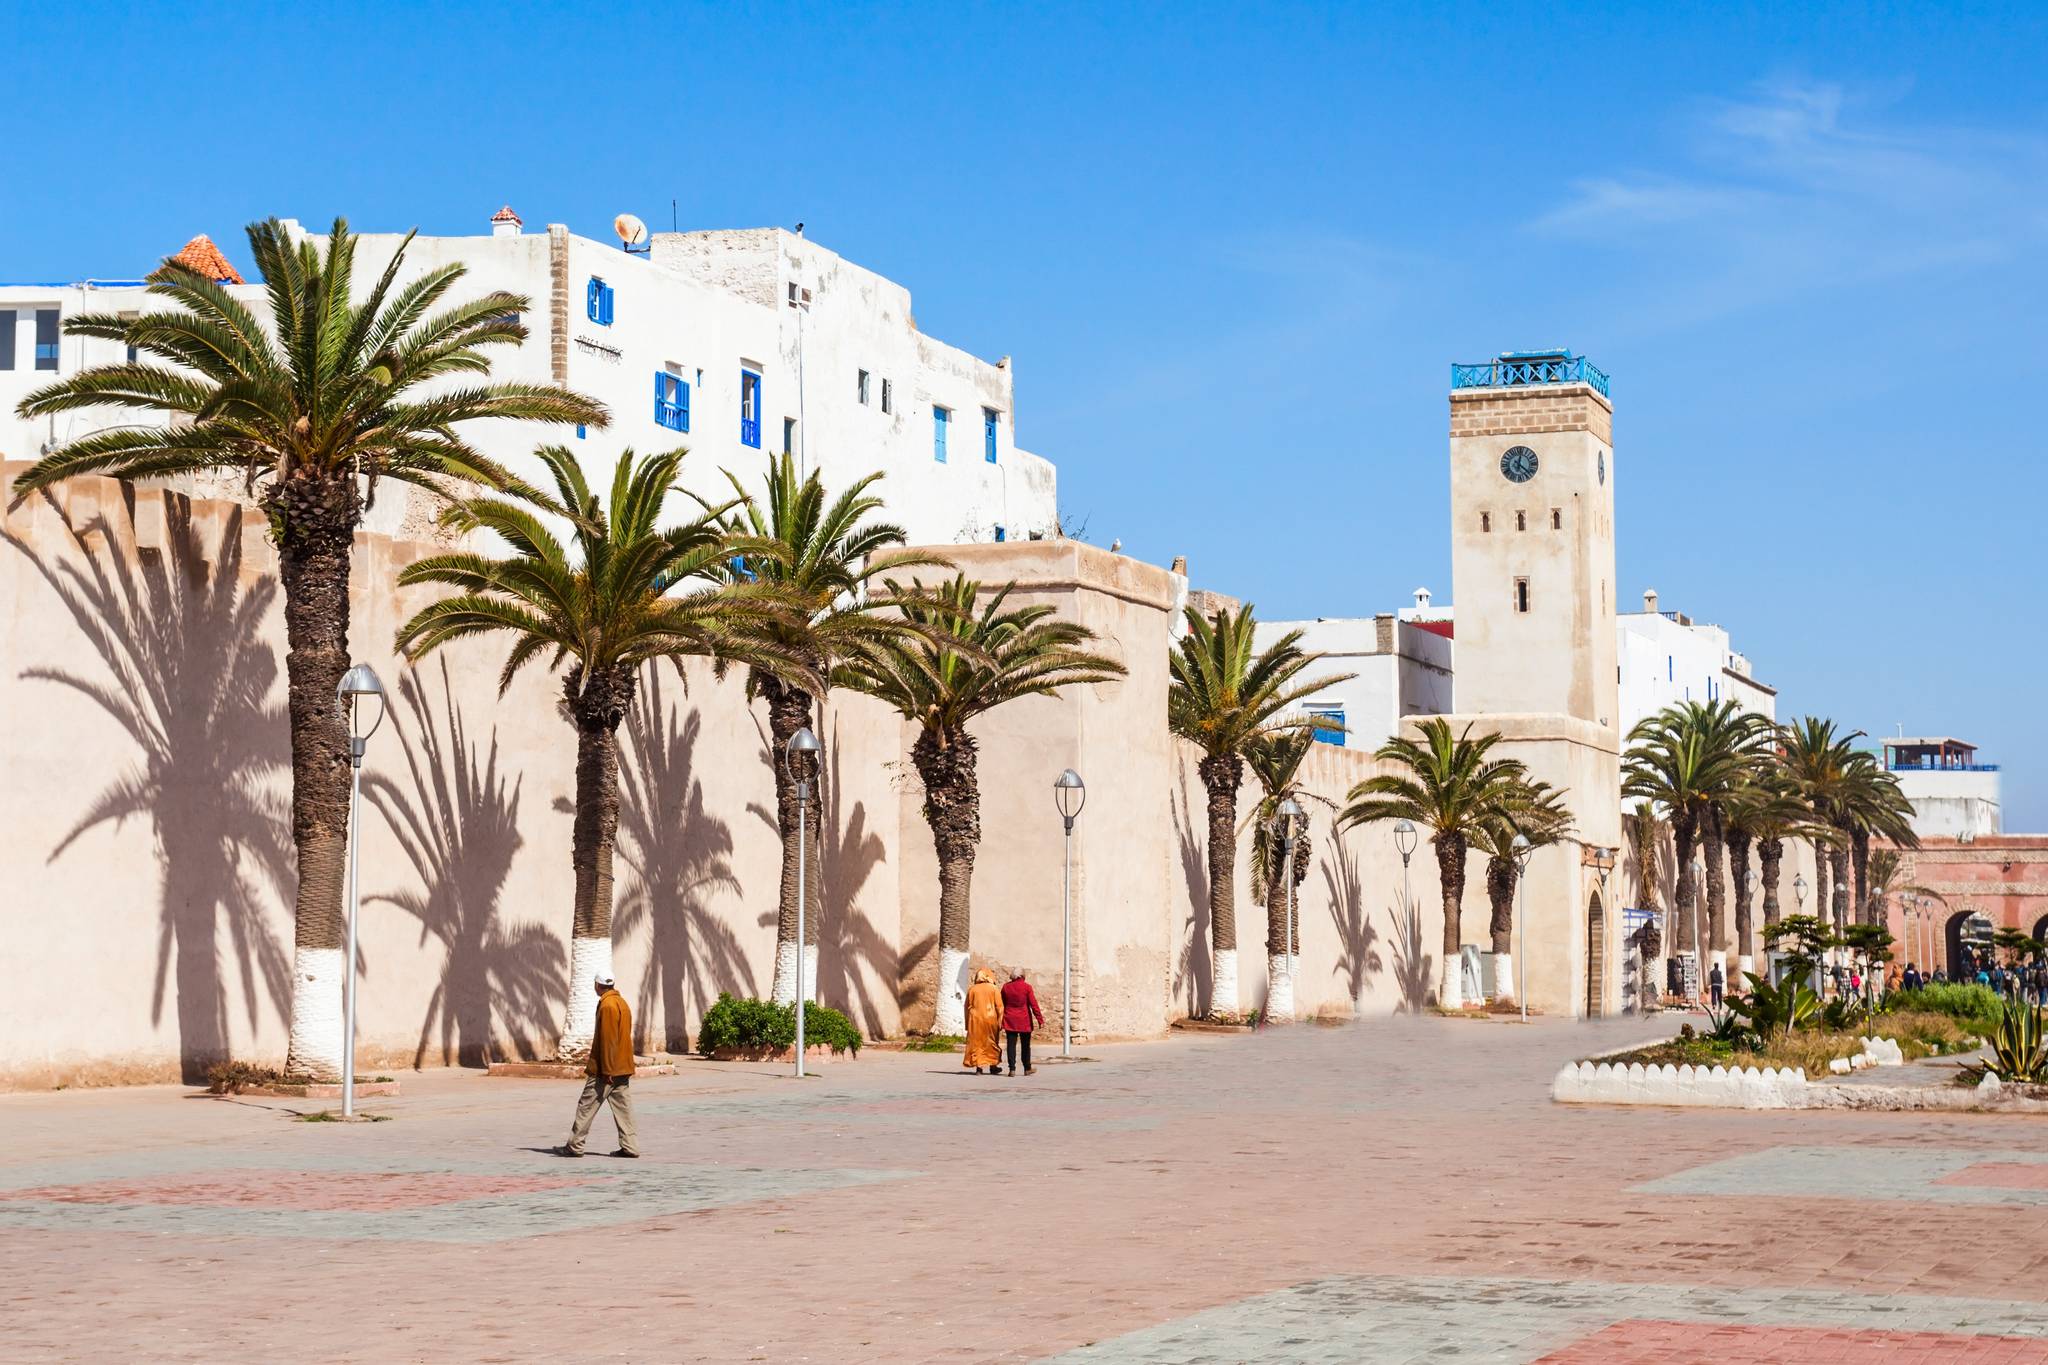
984,1024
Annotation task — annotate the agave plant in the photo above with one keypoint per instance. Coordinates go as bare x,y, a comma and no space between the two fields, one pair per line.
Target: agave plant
1774,1011
2018,1051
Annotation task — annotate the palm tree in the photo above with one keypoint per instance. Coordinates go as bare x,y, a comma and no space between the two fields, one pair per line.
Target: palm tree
1448,783
1225,692
824,558
971,654
1538,815
1280,863
1818,760
1763,811
599,615
311,410
1685,758
1872,806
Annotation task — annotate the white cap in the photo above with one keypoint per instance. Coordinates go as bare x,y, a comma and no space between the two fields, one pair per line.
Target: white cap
604,980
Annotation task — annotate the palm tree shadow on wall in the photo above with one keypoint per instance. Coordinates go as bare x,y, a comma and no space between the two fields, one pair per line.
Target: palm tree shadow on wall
851,951
457,818
679,856
1358,956
1414,968
188,677
1191,969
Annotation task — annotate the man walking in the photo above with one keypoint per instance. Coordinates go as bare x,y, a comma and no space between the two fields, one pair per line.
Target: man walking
610,1069
1020,1015
1717,983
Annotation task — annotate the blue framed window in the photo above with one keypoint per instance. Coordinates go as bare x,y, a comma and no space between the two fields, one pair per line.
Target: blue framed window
1670,669
750,409
579,431
988,434
597,302
1332,733
7,322
671,401
941,419
46,338
1001,535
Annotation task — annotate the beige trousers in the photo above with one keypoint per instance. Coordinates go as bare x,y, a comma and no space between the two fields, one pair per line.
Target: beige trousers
596,1090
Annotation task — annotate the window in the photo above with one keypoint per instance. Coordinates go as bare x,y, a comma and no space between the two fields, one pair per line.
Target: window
597,301
1670,669
1001,535
988,434
671,401
1486,521
1557,519
1521,596
789,435
7,317
46,338
1332,712
1521,521
863,388
888,397
128,318
580,432
750,409
941,419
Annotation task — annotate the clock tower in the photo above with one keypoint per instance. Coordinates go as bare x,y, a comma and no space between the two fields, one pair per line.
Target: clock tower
1532,569
1532,536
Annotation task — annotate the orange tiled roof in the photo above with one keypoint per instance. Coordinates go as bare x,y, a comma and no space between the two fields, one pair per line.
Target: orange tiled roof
203,257
506,215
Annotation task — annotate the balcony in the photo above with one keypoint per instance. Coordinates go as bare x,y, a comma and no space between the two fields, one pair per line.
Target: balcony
1526,369
1908,766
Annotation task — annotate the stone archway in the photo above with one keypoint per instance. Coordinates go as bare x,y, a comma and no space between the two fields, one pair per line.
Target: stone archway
2040,934
1596,956
1967,942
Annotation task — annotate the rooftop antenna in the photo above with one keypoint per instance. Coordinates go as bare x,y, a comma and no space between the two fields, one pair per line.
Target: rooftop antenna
632,233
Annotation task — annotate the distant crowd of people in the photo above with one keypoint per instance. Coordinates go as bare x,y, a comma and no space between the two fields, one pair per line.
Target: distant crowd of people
2024,981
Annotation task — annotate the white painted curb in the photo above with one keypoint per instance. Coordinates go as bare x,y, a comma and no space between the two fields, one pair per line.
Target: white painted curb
1698,1087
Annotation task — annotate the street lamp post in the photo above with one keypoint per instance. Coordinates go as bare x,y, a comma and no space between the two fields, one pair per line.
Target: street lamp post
1603,863
1289,811
1404,842
358,685
805,743
1522,851
1799,897
1069,794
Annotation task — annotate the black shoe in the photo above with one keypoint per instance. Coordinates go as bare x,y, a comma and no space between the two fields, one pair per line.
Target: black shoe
566,1150
1013,1071
623,1152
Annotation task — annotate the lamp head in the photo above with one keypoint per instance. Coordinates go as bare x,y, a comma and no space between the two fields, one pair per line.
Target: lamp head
805,743
1069,794
1404,837
359,685
1290,810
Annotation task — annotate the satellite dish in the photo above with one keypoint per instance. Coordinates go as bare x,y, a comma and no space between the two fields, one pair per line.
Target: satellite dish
632,232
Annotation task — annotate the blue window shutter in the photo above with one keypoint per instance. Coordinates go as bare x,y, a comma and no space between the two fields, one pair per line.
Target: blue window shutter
988,434
1001,535
590,299
607,305
683,401
939,434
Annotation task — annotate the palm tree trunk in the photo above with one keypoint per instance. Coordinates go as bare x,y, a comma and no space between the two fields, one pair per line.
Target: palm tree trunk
1738,842
1770,856
1711,835
1500,895
315,521
597,704
1450,875
789,710
946,761
1684,830
1859,852
1221,776
1838,859
1822,883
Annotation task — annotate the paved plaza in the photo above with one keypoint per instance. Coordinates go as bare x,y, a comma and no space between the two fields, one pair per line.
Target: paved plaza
1393,1191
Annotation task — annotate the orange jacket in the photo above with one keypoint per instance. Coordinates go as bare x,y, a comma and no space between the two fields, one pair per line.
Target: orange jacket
611,1043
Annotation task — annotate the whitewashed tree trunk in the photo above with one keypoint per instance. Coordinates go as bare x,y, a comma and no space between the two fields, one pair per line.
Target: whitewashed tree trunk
1744,965
1450,987
1504,977
589,958
1223,992
1719,958
784,990
950,1018
316,1011
1280,989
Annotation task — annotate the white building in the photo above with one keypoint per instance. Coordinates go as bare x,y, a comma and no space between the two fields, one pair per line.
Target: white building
1665,658
1953,795
736,344
1398,669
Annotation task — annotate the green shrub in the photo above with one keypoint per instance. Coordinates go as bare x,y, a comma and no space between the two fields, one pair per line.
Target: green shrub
748,1024
937,1042
1974,1004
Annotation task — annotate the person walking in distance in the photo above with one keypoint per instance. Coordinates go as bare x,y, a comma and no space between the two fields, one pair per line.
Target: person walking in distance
1020,1015
984,1025
610,1072
1717,983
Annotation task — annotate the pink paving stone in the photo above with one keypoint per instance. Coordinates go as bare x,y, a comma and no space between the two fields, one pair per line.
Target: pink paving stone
2003,1175
1639,1342
341,1191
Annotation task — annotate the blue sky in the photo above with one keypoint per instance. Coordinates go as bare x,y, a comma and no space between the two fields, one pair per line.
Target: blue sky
1234,249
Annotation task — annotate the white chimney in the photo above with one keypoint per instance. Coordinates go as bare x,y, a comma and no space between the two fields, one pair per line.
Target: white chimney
505,223
1422,599
1650,601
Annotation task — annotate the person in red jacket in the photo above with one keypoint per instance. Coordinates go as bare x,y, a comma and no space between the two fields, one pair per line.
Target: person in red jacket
1020,1015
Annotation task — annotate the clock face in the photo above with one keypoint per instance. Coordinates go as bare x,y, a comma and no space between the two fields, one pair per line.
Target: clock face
1603,466
1518,465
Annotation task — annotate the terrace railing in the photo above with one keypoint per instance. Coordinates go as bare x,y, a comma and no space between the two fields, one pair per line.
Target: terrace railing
1511,371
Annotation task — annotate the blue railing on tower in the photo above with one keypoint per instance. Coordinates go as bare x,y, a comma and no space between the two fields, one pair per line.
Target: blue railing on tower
1519,369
